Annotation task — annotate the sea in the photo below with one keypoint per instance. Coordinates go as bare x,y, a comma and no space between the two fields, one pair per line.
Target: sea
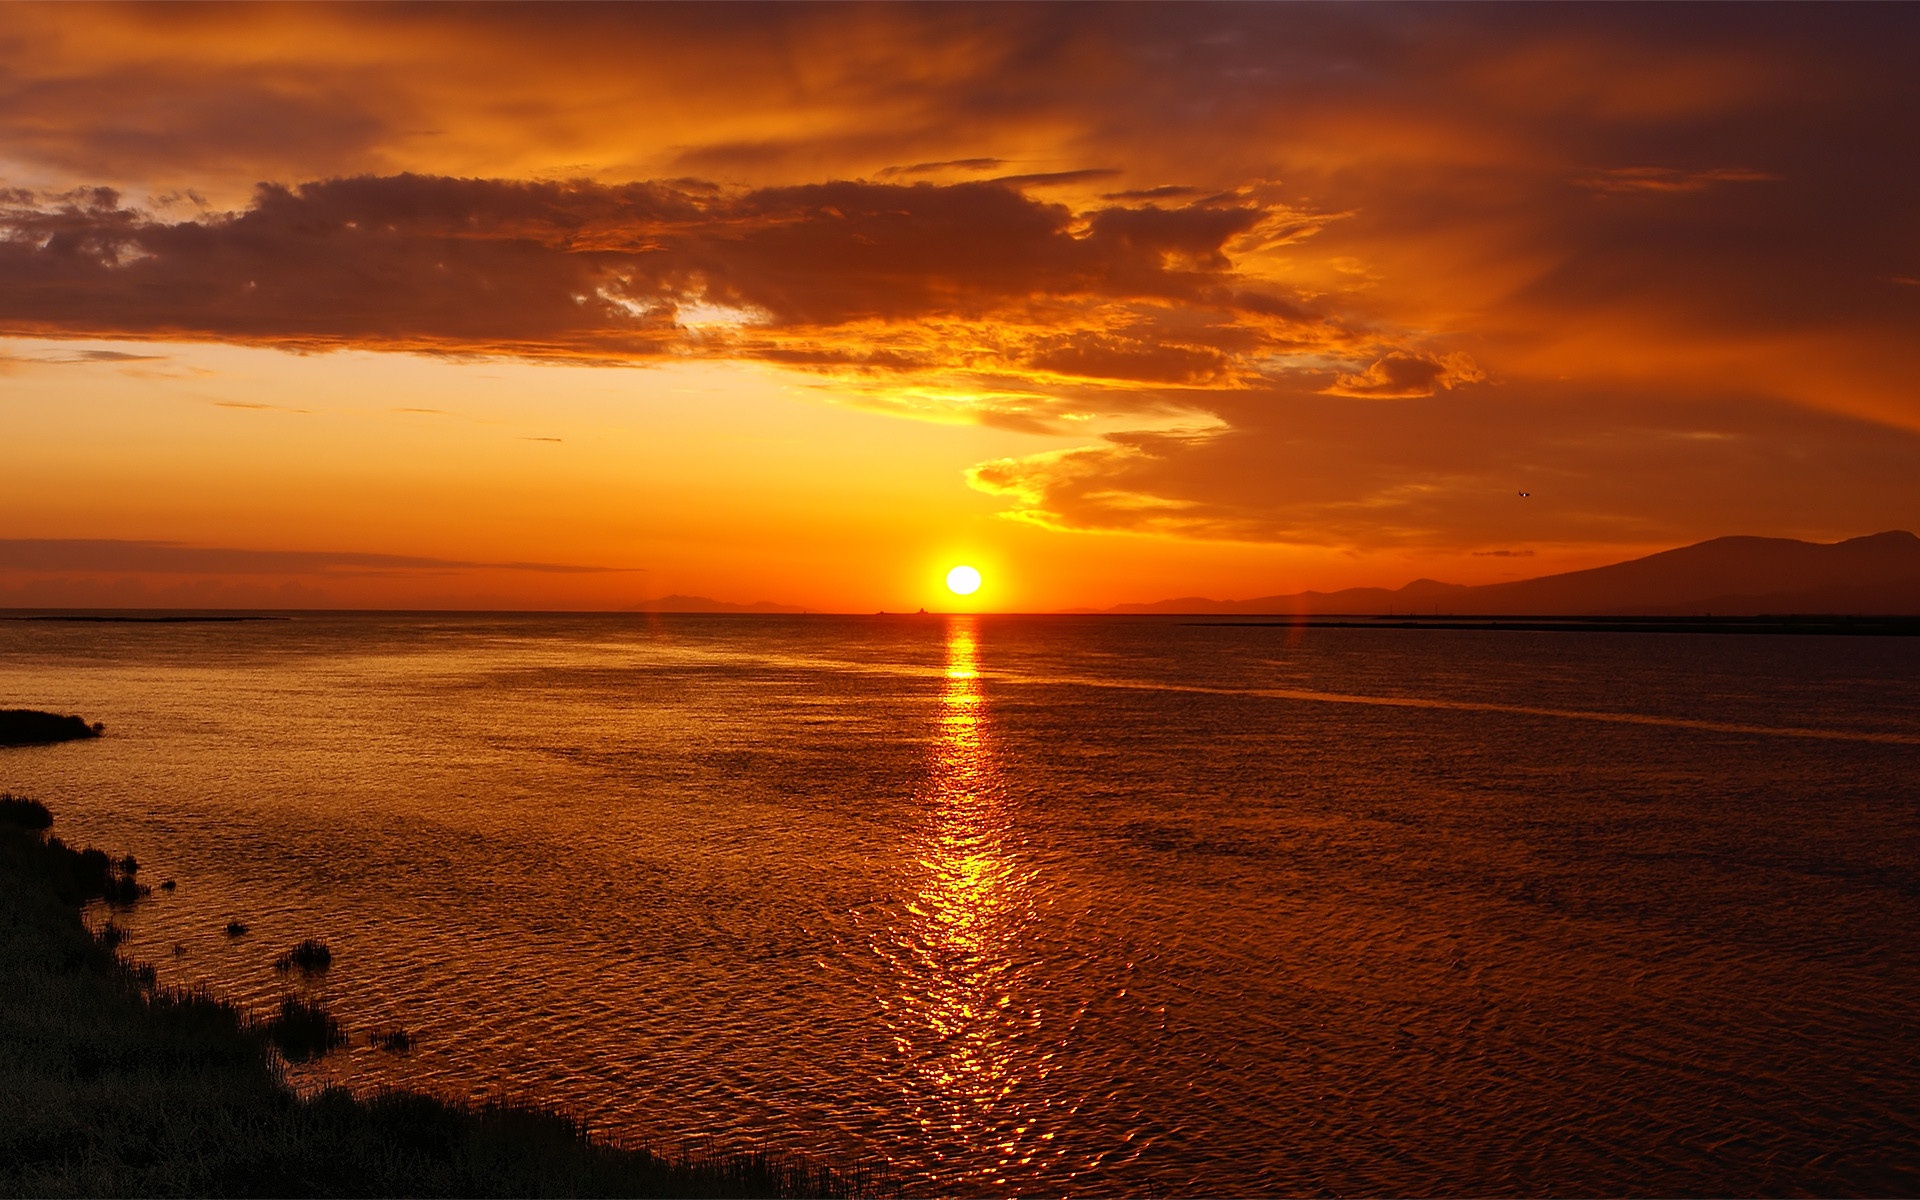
1063,905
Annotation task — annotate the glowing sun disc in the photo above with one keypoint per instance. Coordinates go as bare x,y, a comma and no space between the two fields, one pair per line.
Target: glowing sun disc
963,581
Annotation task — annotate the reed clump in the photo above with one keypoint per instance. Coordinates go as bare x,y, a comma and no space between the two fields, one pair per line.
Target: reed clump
112,1086
309,956
79,875
303,1031
22,813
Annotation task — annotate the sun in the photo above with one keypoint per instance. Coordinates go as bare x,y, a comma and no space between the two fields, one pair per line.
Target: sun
963,581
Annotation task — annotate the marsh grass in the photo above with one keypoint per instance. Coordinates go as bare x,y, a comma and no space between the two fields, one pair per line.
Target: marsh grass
111,1086
310,955
22,813
302,1031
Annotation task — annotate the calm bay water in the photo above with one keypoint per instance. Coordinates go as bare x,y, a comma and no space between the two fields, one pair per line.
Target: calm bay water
1046,905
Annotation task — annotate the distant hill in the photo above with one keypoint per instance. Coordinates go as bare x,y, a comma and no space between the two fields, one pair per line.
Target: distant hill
702,604
1729,576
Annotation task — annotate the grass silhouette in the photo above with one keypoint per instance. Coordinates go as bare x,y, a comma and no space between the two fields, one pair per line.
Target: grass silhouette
304,1031
22,813
309,956
111,1086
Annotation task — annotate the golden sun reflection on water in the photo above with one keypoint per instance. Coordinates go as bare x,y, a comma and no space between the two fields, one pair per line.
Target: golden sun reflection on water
972,1054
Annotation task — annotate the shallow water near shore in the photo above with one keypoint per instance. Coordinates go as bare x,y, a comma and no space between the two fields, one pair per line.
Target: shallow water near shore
1053,905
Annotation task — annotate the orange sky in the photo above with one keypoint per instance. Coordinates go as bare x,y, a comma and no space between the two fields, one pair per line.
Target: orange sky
572,307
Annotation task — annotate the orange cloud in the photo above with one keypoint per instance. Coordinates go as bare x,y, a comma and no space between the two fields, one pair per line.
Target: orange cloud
1640,469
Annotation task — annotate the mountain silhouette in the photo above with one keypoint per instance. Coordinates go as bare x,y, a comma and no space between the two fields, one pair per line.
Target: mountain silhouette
1729,576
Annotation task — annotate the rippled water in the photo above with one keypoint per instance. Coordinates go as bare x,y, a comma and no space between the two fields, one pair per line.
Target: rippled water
1055,905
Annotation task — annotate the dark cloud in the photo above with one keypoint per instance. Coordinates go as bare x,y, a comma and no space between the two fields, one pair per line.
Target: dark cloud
1146,360
585,270
1055,178
114,356
90,357
1668,179
171,558
1401,375
929,168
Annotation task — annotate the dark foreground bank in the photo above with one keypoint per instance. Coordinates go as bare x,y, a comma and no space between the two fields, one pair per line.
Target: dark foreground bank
111,1087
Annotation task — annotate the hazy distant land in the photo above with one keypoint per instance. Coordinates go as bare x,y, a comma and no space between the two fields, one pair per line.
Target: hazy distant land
1878,575
703,604
1729,576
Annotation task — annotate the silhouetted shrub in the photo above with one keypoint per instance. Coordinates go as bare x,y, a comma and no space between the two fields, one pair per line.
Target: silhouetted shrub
23,813
303,1032
309,955
396,1041
236,929
166,885
91,875
122,890
130,865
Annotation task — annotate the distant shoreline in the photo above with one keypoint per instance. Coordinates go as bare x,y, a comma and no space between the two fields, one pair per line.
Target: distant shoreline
118,619
1811,625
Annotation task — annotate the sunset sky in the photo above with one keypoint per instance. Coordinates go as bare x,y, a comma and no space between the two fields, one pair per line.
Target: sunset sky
561,307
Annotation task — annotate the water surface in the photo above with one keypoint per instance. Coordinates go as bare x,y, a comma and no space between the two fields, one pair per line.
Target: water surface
1054,905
